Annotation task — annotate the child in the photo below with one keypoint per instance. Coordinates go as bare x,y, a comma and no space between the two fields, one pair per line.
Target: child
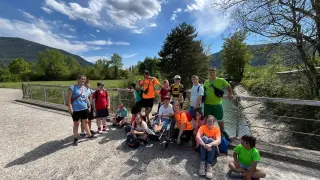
246,158
138,128
163,93
90,114
121,116
164,116
101,106
197,123
137,92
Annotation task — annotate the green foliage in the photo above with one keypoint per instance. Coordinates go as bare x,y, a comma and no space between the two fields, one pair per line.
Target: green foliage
53,65
150,64
182,54
116,62
235,55
19,67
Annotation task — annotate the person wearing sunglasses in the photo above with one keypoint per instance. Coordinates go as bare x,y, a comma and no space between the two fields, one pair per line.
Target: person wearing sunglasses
209,138
246,158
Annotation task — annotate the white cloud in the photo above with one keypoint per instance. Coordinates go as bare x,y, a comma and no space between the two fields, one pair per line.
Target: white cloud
98,30
129,55
47,10
67,36
153,25
40,31
138,31
108,13
27,15
103,42
208,21
93,59
92,35
174,15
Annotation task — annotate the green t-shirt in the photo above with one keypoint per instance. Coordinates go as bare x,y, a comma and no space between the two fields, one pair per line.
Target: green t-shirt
211,98
245,156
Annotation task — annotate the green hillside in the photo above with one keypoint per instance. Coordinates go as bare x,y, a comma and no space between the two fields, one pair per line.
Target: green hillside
12,48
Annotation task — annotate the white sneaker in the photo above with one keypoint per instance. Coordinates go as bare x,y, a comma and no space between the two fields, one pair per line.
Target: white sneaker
202,169
209,173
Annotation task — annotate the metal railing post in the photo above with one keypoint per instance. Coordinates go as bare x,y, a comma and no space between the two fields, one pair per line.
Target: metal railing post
45,93
30,89
119,95
238,118
64,96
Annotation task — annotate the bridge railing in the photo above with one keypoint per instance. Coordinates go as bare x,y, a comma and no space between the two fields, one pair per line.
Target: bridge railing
275,120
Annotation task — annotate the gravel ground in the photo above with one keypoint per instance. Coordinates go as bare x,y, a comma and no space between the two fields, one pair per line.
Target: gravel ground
36,144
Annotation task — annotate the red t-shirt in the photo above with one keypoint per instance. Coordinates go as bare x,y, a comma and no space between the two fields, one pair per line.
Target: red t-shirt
163,93
101,101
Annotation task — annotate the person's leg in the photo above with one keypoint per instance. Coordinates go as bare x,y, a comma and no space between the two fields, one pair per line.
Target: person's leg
236,168
203,155
148,111
75,128
258,174
104,123
99,124
86,127
210,154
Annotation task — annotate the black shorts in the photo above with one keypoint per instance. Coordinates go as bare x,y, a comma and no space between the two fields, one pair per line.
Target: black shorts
118,119
90,115
102,113
147,103
80,115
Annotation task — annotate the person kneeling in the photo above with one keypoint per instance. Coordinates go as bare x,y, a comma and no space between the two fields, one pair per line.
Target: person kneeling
246,158
164,116
121,116
138,132
184,125
209,137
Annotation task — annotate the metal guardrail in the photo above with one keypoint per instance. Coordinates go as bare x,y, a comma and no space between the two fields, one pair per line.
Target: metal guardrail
242,114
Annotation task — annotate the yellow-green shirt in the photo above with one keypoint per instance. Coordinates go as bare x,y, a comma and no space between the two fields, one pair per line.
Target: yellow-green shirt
211,97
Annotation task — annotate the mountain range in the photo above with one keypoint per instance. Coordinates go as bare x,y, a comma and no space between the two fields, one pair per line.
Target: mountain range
12,48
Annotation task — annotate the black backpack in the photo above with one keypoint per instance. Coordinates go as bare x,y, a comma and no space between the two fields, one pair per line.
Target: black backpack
132,141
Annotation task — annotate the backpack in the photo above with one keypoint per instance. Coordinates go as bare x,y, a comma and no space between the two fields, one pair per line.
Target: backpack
187,114
223,146
203,97
132,141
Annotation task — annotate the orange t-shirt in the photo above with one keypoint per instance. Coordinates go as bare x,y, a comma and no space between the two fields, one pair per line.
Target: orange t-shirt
214,132
181,118
149,83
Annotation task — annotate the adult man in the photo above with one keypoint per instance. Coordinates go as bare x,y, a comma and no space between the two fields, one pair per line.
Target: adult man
148,93
213,103
197,92
176,90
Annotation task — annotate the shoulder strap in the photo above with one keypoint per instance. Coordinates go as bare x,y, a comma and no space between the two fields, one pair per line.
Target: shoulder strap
74,99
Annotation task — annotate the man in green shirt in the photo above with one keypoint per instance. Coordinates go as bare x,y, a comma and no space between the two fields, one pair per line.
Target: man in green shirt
213,104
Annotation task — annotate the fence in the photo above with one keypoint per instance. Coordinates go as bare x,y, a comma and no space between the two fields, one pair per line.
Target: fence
275,120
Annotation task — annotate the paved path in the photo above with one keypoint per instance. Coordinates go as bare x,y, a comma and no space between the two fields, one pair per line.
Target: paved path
35,144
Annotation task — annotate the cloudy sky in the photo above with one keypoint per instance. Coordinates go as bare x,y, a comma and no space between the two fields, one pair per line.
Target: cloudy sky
96,29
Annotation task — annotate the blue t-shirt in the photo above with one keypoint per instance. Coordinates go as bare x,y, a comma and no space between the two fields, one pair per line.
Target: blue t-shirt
80,103
123,112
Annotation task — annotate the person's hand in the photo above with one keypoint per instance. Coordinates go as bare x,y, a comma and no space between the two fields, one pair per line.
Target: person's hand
236,164
178,141
108,107
89,109
71,111
230,96
247,176
160,123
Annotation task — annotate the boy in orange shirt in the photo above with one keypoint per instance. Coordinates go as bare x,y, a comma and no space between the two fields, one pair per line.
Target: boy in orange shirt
184,126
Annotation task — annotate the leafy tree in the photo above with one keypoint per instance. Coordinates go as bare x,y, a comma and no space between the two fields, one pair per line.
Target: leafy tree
19,67
182,54
73,66
235,55
150,64
53,64
116,62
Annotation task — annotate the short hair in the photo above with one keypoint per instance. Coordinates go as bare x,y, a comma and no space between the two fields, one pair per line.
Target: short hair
88,81
195,77
165,81
249,139
210,116
213,69
81,76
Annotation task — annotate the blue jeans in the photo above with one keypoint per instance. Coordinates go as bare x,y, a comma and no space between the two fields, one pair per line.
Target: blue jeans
208,156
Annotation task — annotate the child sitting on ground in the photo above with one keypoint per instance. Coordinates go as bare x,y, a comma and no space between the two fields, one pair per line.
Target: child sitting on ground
246,158
197,123
164,115
138,129
121,116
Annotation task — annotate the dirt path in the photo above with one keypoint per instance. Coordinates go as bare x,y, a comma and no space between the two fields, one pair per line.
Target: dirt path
36,144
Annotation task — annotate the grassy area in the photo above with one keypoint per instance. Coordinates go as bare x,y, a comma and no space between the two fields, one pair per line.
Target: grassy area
17,85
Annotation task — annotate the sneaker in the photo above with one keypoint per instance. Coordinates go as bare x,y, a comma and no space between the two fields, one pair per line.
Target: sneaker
99,131
105,128
92,132
209,173
75,141
202,169
236,174
83,134
91,137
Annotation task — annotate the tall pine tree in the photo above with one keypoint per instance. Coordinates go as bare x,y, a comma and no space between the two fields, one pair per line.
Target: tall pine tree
182,54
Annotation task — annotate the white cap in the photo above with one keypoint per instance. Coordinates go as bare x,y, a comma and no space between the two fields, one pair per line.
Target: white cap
177,77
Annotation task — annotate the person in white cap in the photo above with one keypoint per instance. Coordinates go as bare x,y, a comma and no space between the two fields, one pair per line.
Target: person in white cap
177,90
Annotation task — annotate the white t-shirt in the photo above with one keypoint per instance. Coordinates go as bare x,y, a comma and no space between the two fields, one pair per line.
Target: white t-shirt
195,94
140,127
165,112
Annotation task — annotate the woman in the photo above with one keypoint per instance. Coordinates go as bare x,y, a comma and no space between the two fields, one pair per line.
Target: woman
197,123
79,107
209,137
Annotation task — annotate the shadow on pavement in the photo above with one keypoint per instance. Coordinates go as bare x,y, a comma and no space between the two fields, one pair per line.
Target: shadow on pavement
42,151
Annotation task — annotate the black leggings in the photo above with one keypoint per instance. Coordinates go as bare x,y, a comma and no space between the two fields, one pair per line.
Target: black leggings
186,135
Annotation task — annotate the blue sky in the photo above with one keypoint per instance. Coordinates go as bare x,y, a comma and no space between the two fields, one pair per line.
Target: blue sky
96,29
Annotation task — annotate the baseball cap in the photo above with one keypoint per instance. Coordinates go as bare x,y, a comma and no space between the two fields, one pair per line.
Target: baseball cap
146,72
166,97
177,77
